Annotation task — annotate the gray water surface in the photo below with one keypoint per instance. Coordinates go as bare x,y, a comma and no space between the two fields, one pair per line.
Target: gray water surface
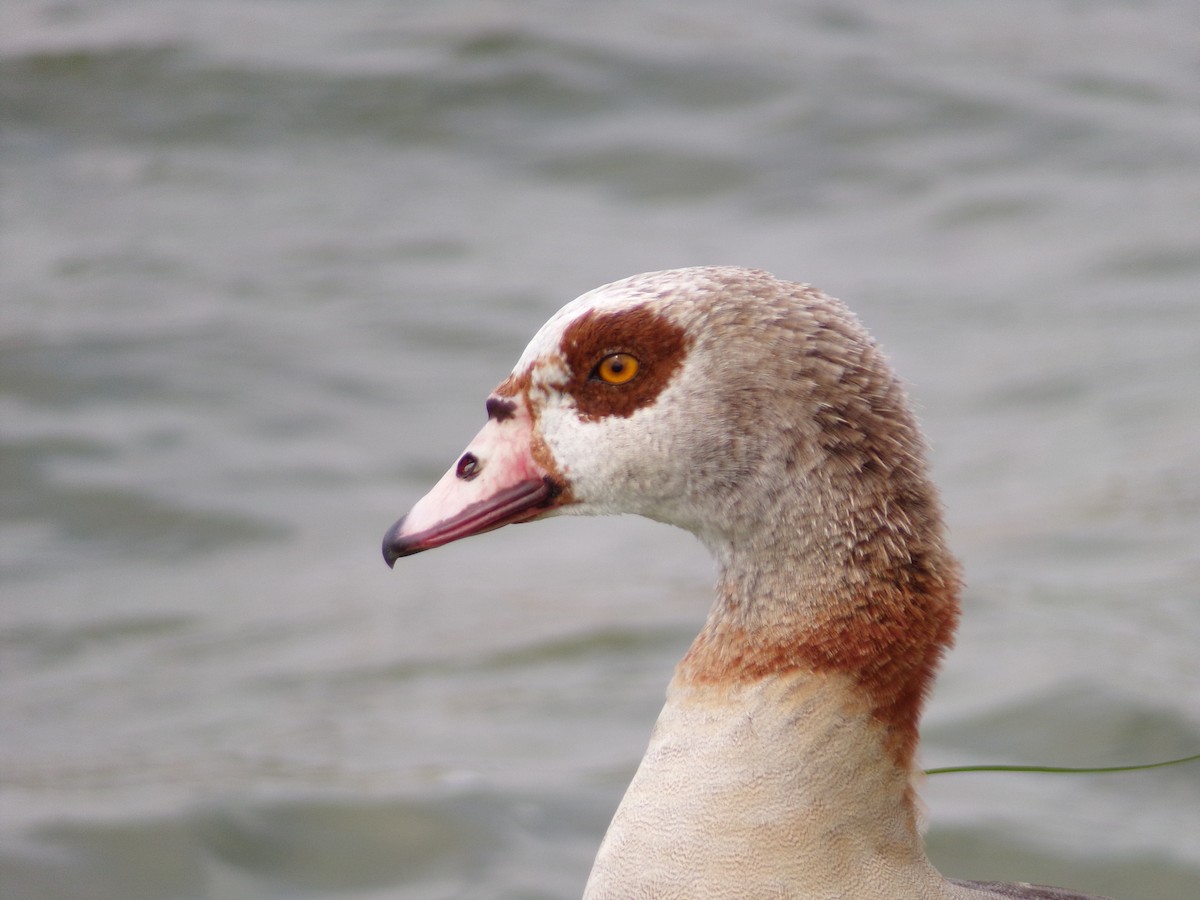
260,265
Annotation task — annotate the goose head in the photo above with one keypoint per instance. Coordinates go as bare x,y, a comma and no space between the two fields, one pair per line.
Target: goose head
758,415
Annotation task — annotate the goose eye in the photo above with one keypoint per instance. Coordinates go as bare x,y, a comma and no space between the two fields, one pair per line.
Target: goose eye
619,368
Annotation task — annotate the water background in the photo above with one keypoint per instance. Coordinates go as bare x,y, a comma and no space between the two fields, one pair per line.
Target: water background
261,263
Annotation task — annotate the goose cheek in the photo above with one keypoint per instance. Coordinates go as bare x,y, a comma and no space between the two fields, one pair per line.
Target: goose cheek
495,482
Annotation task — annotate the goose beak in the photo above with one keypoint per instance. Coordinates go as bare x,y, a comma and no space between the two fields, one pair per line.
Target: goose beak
495,482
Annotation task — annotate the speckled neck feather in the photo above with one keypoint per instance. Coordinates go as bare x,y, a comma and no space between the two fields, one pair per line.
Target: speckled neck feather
832,555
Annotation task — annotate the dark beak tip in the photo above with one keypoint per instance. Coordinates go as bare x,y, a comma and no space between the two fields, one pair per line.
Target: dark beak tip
392,545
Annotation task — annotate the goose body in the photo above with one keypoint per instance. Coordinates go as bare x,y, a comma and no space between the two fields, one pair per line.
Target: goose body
760,416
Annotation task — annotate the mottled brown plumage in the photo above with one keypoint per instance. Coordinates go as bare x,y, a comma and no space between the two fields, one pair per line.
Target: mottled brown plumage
762,418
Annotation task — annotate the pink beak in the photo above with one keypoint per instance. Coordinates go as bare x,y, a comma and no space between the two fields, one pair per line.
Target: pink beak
495,482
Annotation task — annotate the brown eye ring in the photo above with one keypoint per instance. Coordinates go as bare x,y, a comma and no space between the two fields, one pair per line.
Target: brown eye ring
616,368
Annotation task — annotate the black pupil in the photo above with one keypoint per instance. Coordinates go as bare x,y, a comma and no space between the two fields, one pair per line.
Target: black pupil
616,365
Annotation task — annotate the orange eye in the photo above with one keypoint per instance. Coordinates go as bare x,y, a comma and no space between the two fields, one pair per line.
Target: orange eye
619,368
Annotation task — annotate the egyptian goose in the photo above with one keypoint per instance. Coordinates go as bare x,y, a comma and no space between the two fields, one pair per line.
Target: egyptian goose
760,416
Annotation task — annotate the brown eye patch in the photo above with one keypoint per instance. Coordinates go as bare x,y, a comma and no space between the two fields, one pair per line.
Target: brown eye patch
657,344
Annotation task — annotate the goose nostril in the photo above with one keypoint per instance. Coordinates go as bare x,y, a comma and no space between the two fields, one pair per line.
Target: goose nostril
468,467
